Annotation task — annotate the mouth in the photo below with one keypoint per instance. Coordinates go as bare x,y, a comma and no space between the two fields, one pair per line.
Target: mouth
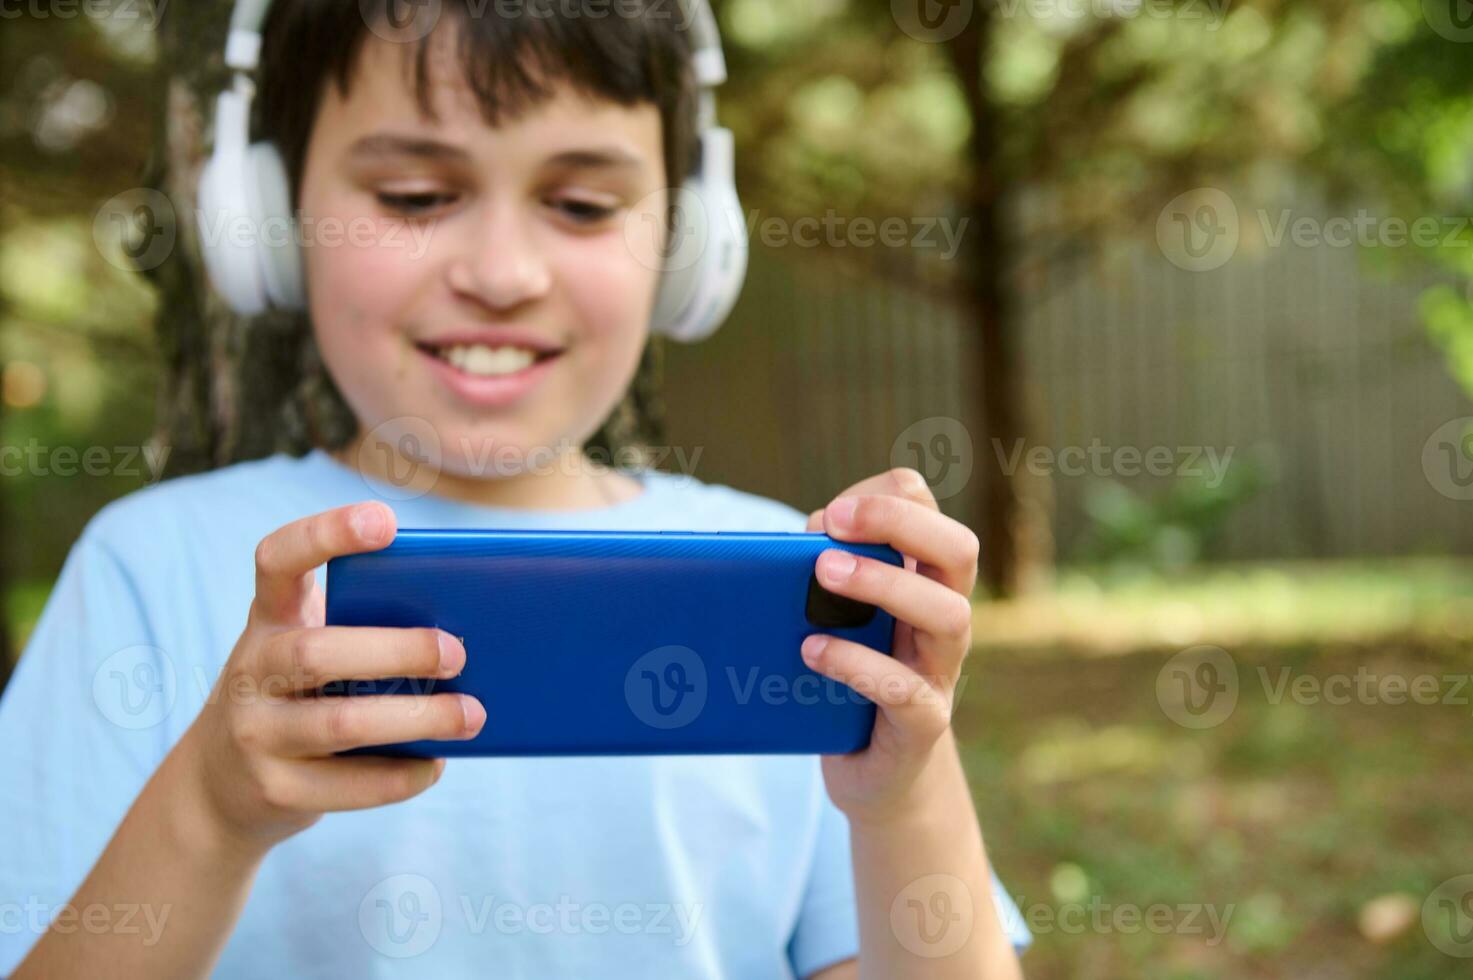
488,360
491,373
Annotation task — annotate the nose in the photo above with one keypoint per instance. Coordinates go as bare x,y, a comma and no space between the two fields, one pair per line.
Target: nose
501,264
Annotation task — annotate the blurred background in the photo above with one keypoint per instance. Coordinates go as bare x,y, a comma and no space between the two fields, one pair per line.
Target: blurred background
1170,301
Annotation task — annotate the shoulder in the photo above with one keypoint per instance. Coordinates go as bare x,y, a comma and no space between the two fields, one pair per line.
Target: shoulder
720,507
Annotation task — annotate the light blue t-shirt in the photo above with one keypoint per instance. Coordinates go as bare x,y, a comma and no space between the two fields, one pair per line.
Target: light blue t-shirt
689,866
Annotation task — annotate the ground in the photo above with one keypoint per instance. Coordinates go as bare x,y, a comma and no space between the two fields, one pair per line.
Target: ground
1323,827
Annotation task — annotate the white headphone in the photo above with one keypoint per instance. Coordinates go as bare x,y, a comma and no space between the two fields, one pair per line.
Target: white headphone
245,185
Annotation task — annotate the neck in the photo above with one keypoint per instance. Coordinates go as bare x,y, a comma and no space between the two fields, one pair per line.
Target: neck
566,480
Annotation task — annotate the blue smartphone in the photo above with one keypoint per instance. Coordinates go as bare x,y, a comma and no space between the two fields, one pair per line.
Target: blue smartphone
621,642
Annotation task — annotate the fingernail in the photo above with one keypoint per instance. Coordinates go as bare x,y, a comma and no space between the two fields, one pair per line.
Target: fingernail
842,512
452,655
813,647
369,522
838,566
475,714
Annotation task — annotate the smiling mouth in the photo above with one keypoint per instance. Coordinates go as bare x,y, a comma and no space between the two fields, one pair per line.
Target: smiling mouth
487,361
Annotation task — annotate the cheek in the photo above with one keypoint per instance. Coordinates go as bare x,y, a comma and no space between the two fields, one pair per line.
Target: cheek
358,290
611,294
363,267
362,273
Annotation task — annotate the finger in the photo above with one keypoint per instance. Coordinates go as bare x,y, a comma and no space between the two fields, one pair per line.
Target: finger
941,618
354,783
306,659
902,481
322,726
945,549
286,558
913,704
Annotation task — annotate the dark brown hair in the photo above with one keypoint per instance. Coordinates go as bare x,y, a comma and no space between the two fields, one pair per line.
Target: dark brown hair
630,52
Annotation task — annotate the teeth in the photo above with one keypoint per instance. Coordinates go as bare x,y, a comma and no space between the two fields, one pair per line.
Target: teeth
489,361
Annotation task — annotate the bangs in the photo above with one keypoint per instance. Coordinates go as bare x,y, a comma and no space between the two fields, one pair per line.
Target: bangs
512,64
512,55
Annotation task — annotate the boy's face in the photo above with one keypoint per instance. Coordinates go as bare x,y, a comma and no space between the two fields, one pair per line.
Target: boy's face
485,248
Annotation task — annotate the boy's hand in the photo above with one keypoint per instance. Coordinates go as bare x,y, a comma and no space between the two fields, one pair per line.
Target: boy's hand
930,599
265,743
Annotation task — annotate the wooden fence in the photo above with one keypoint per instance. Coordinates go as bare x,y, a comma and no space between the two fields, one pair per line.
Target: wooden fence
1301,358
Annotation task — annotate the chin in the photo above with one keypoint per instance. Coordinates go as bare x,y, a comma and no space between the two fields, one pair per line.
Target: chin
491,451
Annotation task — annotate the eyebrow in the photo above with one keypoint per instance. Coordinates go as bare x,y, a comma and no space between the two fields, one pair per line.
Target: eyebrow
390,145
381,145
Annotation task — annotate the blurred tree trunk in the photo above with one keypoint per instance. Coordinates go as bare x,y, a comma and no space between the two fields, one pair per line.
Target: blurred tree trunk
226,377
1017,550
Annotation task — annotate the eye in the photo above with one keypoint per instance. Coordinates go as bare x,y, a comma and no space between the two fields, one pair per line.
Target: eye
584,212
415,204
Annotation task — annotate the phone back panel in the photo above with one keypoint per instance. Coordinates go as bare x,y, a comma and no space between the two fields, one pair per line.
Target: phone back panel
618,643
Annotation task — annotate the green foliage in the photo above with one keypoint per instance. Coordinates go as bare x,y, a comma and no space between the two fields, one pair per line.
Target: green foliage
1173,528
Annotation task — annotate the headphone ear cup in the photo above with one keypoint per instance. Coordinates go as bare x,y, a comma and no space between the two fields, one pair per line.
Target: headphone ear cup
277,252
226,241
707,257
682,265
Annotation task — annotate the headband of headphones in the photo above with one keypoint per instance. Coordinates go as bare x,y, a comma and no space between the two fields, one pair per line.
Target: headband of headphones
702,276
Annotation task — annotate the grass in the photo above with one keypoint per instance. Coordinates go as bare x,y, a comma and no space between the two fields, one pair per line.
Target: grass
1429,601
1294,817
